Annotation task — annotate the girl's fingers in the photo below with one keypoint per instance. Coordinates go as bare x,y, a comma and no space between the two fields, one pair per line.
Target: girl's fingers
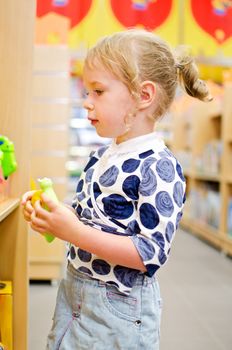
37,229
37,224
27,216
26,197
40,212
27,211
28,206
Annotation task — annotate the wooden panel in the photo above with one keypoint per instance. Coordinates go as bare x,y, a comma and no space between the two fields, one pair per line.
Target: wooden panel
227,110
50,113
46,259
16,50
50,139
42,166
50,86
51,58
54,250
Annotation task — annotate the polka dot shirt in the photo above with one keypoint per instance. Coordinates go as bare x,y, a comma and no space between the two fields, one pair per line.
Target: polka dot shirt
136,189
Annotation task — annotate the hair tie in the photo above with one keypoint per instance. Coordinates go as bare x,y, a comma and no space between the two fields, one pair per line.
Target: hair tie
179,66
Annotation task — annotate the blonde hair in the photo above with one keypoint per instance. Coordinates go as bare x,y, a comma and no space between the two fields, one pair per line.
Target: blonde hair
134,56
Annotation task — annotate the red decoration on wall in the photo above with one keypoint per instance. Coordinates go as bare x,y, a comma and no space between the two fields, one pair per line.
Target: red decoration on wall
76,10
214,17
148,13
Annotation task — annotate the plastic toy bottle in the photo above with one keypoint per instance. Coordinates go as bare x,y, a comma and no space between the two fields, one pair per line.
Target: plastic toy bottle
46,186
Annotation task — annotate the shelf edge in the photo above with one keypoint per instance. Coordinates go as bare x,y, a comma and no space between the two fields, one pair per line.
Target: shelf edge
7,207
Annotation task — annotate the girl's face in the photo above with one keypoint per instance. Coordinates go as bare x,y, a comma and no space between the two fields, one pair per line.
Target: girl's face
108,103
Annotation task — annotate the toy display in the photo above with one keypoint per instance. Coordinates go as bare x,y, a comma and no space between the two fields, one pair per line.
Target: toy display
46,186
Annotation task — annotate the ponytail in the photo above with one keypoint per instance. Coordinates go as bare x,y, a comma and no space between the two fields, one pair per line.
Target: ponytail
188,77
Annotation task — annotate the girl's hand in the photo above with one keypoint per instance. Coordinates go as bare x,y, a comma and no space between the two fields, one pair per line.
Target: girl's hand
60,221
27,206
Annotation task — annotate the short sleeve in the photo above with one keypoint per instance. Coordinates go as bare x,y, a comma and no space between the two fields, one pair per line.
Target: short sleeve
159,210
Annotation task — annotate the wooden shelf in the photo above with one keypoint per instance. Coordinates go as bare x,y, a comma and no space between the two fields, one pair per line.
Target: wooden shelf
206,177
15,112
202,230
208,193
227,244
228,180
7,207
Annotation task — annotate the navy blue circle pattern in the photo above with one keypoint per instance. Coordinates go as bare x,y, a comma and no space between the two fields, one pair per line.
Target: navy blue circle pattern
130,186
88,175
159,239
80,185
169,231
81,196
96,189
130,165
117,207
162,257
139,195
83,255
133,228
165,169
85,269
109,177
180,172
87,213
164,203
72,252
178,193
151,269
178,218
79,210
146,165
101,267
148,184
149,216
145,247
125,275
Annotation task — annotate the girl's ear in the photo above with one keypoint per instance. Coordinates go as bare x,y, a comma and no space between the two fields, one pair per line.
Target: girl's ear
147,94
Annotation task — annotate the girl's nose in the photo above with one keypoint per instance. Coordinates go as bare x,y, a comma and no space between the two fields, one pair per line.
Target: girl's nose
88,105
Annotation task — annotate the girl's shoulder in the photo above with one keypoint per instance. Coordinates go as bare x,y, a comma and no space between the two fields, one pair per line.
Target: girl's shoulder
162,162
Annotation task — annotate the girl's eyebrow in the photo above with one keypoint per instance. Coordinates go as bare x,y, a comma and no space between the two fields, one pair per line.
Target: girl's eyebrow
95,82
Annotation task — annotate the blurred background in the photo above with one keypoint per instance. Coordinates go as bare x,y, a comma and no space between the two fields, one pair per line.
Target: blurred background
42,47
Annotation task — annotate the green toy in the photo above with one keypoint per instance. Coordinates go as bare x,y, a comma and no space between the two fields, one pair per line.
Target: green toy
7,158
46,186
1,158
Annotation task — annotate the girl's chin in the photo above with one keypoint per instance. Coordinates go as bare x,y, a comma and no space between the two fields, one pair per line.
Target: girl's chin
112,135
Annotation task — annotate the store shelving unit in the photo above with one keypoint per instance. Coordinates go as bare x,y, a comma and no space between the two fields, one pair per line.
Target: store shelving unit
49,150
16,55
202,142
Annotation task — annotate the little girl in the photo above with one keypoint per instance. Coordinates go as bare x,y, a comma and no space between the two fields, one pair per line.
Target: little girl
128,201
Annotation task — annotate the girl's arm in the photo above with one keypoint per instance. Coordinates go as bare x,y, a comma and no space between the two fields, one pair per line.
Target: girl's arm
64,224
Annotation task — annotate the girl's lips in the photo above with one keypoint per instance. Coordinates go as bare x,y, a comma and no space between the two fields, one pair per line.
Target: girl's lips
92,121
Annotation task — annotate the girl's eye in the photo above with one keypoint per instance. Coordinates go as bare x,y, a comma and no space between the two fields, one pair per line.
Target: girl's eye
98,92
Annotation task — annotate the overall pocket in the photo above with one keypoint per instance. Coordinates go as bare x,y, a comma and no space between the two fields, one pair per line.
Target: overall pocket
120,305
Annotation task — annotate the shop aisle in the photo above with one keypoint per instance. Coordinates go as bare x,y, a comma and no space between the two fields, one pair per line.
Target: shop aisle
196,286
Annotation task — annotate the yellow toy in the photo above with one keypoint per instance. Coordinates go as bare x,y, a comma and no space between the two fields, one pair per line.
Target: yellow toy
46,186
6,316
